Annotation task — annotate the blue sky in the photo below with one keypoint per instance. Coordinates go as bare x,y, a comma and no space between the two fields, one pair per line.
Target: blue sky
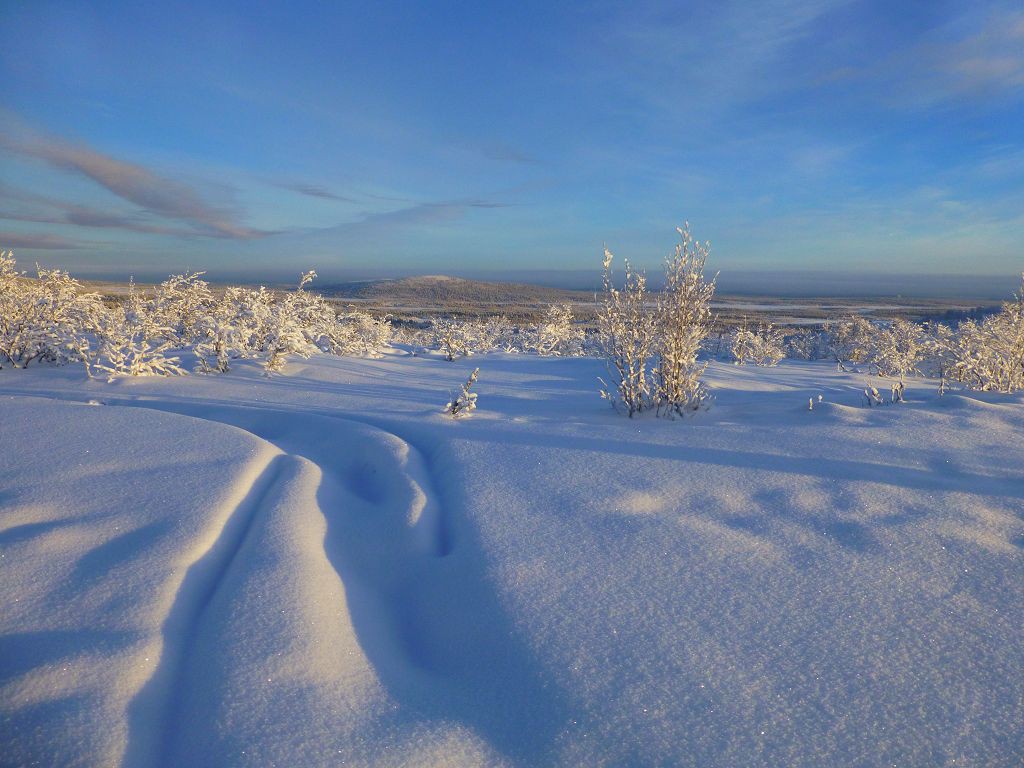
432,137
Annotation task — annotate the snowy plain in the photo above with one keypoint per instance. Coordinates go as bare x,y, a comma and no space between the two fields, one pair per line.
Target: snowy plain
320,568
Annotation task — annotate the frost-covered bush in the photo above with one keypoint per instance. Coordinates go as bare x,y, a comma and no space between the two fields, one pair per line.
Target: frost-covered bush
989,355
221,331
849,341
134,342
180,303
296,324
556,334
359,333
807,344
940,348
761,346
490,334
628,332
741,344
451,337
898,350
46,319
49,318
683,318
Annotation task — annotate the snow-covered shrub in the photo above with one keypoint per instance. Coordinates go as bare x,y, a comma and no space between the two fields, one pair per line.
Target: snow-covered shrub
555,334
761,346
940,349
296,324
181,301
221,332
807,344
898,350
849,341
489,335
683,318
741,344
359,333
451,337
46,318
628,335
989,355
466,400
134,342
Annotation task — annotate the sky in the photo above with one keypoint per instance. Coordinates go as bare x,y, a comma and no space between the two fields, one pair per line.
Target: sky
257,138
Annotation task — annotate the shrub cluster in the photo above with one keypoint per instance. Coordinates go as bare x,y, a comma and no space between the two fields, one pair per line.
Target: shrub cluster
50,318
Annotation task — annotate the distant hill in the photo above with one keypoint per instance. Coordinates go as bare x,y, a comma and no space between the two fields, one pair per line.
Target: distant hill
441,290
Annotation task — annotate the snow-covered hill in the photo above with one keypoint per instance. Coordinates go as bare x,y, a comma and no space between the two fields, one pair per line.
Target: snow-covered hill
322,569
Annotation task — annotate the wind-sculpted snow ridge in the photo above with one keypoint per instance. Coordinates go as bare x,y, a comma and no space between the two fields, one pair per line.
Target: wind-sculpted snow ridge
322,569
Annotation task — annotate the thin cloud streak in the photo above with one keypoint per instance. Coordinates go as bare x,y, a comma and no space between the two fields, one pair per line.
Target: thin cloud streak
48,242
314,190
78,215
138,185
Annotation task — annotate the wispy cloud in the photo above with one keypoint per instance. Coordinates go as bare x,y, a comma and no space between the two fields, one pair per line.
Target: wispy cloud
672,56
136,184
421,213
50,242
508,154
987,61
47,210
976,56
314,190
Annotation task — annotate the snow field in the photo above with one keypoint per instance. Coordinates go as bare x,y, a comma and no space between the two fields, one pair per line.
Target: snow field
321,567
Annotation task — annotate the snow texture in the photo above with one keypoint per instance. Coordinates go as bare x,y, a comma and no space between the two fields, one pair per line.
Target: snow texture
323,569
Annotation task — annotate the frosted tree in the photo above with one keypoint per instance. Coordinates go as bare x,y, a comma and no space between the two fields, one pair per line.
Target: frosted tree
133,341
466,399
627,328
683,318
897,351
556,334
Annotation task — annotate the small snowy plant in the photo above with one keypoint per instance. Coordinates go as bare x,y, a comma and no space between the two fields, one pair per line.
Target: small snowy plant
872,398
627,328
466,400
683,320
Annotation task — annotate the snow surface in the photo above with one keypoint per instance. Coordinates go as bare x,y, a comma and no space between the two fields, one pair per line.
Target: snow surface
322,569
